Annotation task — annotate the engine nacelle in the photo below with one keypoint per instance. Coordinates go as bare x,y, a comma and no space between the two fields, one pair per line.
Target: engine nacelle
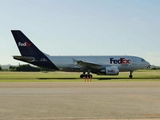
112,70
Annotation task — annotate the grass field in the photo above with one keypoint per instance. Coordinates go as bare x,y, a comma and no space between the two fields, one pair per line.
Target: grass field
138,76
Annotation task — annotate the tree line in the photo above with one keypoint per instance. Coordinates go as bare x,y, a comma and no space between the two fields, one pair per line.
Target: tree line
26,68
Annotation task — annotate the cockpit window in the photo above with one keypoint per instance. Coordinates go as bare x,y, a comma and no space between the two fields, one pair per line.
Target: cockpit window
143,60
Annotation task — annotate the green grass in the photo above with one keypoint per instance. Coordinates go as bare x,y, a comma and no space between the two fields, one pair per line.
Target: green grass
138,76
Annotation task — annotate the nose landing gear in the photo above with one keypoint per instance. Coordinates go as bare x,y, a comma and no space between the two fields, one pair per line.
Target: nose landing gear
131,76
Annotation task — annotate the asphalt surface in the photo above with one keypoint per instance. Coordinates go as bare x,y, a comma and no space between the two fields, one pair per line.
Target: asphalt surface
80,101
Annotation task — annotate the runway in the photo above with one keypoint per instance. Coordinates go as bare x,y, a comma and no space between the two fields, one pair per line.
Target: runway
80,101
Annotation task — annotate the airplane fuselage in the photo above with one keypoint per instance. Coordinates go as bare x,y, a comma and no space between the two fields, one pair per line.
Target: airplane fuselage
100,65
124,63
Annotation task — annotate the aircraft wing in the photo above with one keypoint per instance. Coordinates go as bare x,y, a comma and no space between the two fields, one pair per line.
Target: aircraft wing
87,64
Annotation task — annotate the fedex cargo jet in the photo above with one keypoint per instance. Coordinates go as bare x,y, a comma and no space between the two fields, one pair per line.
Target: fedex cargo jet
100,65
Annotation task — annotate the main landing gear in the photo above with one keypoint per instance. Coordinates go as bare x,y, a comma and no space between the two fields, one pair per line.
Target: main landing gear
131,76
86,75
89,76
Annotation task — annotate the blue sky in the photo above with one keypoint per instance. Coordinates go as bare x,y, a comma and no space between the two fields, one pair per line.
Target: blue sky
83,27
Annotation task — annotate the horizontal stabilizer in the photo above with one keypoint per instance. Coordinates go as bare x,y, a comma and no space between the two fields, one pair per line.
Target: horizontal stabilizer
25,59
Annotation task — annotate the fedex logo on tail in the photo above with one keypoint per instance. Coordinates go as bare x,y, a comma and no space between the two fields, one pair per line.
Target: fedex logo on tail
119,61
24,44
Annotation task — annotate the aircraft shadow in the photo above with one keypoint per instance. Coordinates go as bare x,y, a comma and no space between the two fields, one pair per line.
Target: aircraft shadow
125,78
58,78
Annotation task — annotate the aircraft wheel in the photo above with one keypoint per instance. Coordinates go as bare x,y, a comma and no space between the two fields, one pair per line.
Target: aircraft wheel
130,76
82,76
86,76
90,76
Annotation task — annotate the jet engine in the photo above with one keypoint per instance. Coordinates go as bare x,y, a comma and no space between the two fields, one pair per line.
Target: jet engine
112,70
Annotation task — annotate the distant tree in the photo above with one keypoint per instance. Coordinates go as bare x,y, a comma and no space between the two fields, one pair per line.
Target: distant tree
12,68
27,68
0,68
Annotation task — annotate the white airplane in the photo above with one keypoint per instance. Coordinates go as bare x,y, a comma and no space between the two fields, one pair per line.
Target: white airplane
100,65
